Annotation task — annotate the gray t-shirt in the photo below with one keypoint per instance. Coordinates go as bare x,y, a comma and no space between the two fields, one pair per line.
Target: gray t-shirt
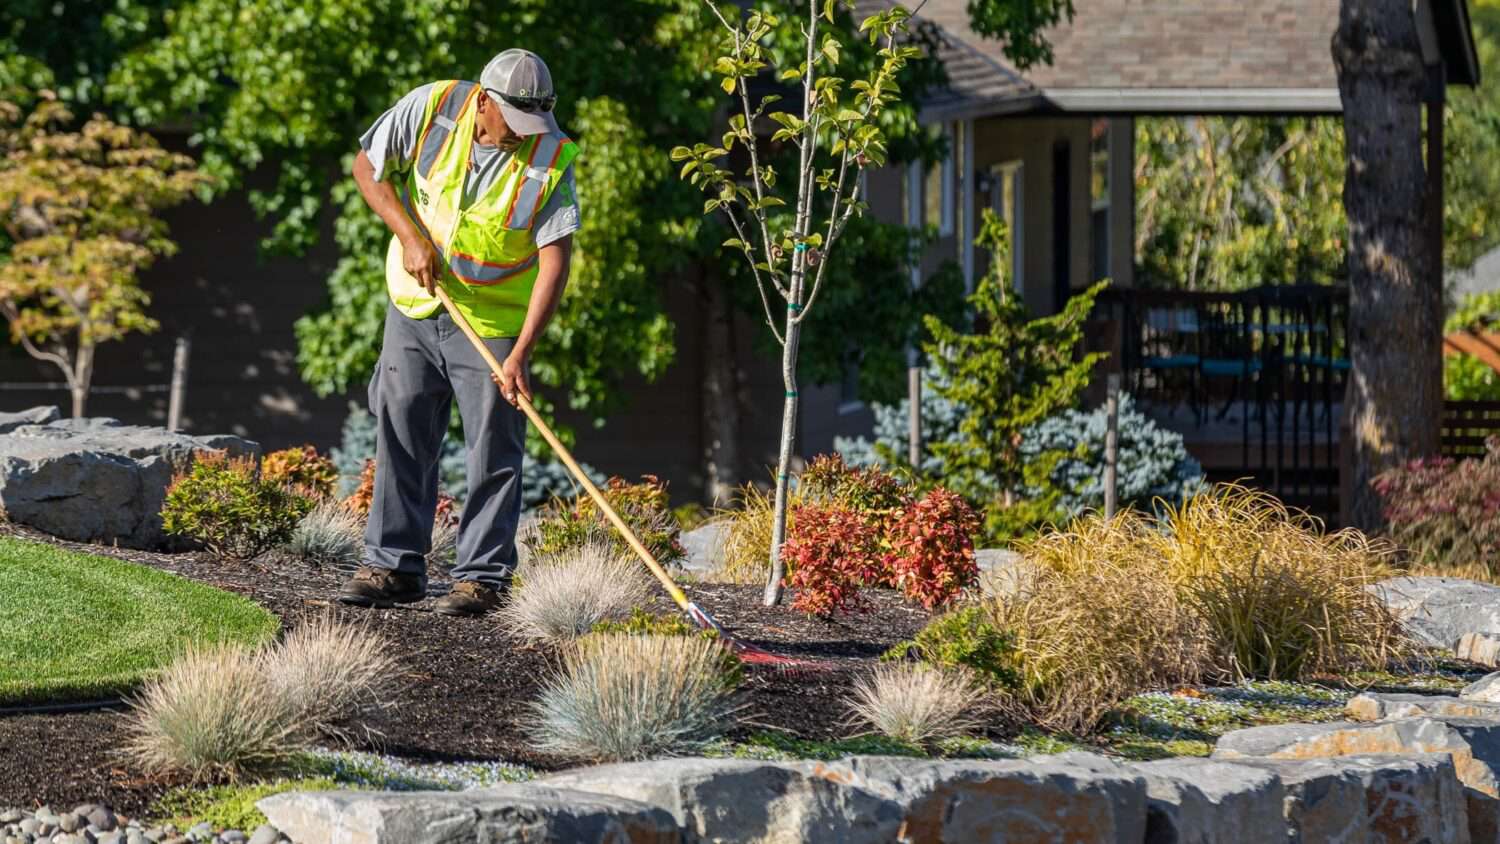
391,144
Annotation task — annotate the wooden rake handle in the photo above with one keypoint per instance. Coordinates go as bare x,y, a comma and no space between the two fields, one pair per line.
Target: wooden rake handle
567,458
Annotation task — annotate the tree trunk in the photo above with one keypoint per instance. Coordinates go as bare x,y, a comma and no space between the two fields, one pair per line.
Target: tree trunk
721,418
793,334
1395,300
83,374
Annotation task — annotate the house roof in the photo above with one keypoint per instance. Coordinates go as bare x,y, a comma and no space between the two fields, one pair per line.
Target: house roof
1166,56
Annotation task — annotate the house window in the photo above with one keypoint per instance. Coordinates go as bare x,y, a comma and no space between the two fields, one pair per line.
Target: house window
1008,200
931,190
1099,198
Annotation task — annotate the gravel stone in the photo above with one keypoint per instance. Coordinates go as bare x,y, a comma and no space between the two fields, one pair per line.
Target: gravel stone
102,818
30,826
69,822
265,834
10,816
203,830
233,836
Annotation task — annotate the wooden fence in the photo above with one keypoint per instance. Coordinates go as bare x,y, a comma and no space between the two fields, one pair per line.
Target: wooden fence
1466,426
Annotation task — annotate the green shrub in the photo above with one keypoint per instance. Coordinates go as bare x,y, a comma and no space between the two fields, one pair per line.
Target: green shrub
303,469
226,505
643,506
964,638
643,623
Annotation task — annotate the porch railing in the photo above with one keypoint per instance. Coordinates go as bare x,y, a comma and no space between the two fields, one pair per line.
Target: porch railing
1260,374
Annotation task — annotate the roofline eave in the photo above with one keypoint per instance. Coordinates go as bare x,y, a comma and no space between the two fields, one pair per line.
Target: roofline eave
1144,101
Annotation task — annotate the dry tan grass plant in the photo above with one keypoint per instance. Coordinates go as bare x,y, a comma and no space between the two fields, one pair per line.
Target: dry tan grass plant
211,715
1282,597
337,675
1095,620
918,703
748,536
561,595
621,697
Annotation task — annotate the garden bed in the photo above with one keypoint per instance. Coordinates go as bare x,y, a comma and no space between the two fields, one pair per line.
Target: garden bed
467,683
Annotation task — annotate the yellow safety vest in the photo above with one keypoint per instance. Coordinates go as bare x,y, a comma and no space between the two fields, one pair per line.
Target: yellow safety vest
486,247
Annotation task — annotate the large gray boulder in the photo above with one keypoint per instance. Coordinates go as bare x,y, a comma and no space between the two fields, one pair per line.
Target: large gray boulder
1486,688
1439,611
1378,797
704,545
34,416
1379,706
97,480
1204,801
1070,797
513,812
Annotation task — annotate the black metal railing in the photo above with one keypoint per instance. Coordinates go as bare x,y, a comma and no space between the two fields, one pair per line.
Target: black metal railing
1262,372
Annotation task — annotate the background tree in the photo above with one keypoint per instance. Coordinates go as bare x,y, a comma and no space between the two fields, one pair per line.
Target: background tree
1395,304
1010,373
79,210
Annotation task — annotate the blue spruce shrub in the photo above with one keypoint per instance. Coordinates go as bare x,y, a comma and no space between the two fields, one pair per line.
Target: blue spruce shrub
1152,460
540,480
940,418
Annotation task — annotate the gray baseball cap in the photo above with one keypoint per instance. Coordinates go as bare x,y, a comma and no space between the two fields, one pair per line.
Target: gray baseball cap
519,82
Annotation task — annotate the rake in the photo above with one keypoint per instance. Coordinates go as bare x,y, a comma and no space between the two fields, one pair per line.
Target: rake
744,650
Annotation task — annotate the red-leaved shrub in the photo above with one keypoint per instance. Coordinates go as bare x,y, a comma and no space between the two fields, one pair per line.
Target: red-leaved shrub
931,556
1446,512
831,551
863,527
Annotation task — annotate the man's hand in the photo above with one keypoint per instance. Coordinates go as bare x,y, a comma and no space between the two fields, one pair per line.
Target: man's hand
421,262
513,377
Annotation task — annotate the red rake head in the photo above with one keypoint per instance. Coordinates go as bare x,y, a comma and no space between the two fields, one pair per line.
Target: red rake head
748,653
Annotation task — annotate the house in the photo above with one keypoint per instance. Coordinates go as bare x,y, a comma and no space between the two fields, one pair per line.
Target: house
1050,149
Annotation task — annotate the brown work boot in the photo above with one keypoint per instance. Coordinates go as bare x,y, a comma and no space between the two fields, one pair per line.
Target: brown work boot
468,597
377,587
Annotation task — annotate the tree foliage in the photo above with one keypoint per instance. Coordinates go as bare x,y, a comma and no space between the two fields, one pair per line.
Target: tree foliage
79,211
289,86
1232,203
1011,373
1021,25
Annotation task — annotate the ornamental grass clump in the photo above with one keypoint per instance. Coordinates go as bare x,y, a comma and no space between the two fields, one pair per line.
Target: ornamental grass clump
1094,619
213,714
1281,597
225,712
562,595
329,535
747,535
623,697
339,676
920,704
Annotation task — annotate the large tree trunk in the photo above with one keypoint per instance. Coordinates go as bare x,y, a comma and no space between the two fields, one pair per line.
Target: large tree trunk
721,417
1395,299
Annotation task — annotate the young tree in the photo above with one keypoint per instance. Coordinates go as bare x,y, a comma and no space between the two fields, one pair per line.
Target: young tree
837,134
1395,302
79,209
1012,373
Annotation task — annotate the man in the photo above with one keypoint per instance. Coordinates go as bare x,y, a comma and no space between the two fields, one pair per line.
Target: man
476,185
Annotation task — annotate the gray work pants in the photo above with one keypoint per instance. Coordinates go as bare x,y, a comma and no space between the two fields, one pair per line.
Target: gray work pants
425,364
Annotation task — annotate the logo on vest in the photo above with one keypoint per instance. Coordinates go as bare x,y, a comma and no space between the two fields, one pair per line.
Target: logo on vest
421,196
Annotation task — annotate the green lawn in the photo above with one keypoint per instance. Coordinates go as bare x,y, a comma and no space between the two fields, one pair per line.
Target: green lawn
79,626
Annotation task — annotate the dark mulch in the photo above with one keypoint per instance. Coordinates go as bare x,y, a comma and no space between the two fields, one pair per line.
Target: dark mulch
468,683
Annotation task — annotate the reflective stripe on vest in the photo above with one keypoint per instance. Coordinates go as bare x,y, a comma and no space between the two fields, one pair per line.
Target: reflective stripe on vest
524,206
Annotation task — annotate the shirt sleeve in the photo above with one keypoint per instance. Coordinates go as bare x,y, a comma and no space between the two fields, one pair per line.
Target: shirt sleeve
391,141
559,217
